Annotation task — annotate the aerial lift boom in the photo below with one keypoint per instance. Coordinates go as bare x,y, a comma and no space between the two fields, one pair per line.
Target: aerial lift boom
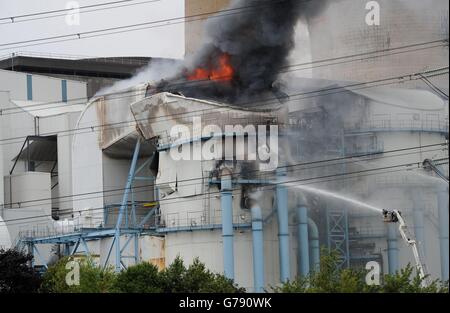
395,216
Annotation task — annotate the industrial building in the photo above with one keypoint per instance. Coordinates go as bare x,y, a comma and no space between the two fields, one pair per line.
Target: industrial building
103,182
35,162
97,73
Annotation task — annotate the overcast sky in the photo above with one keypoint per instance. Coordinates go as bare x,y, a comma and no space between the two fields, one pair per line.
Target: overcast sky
165,41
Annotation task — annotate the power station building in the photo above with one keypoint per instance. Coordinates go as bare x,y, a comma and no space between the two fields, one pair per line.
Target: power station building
118,179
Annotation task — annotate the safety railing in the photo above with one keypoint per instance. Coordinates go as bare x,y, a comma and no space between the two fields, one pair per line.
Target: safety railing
198,219
45,230
427,125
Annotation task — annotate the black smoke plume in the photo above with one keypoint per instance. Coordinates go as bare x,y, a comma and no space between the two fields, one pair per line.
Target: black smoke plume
256,37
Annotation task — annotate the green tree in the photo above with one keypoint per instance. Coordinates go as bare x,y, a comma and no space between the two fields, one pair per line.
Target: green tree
141,278
16,276
333,279
172,277
195,279
405,281
93,279
198,278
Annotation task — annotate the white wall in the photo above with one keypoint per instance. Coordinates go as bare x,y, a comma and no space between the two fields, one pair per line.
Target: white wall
18,124
15,83
87,167
44,88
24,189
58,125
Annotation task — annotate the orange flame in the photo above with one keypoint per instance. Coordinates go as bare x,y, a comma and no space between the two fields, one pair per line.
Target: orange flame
222,72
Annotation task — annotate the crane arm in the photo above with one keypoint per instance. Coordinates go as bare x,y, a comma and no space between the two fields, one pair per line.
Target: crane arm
395,216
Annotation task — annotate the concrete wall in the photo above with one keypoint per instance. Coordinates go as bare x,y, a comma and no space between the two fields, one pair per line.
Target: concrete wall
58,125
194,30
43,88
87,168
23,189
402,23
16,125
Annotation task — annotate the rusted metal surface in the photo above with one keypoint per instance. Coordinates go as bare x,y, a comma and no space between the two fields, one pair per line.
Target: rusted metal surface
157,114
114,115
152,250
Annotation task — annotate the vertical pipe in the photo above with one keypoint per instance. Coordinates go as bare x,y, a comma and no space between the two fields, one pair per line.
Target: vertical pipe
302,239
124,203
283,228
443,232
226,198
66,249
314,245
258,249
392,248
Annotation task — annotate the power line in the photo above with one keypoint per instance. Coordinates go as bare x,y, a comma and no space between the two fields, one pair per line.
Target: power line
126,27
284,69
14,17
97,128
435,88
418,164
138,189
272,100
318,162
81,9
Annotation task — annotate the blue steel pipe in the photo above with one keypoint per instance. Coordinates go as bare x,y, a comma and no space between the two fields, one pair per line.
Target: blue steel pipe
303,249
443,232
314,245
226,199
258,249
128,186
283,228
392,248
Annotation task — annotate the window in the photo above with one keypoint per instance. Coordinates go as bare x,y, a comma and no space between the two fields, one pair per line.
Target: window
64,90
29,87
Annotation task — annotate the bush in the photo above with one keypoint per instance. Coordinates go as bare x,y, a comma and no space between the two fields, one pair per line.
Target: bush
332,279
195,279
16,276
141,278
93,279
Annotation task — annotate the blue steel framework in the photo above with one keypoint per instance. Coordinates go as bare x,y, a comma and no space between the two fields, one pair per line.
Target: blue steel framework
337,232
133,229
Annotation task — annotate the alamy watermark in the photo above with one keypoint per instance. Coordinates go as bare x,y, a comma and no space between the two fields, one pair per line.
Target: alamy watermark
373,274
373,17
232,142
73,13
73,276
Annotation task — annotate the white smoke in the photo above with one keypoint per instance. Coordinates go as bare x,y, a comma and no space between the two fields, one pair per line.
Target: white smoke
156,70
